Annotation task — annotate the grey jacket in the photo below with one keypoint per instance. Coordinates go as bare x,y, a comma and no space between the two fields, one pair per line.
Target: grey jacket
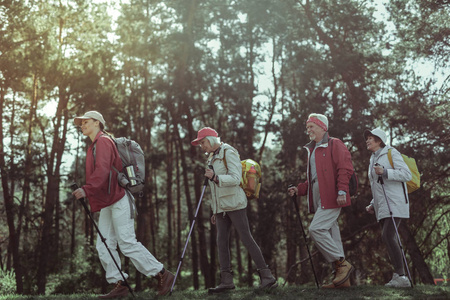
227,195
394,185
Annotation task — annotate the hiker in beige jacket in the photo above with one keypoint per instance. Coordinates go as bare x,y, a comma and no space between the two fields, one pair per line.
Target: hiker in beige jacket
229,204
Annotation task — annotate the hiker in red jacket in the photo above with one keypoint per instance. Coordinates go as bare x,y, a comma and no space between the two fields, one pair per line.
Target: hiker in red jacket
327,189
116,220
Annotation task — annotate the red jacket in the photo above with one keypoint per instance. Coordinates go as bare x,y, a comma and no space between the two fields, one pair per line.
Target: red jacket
333,173
102,187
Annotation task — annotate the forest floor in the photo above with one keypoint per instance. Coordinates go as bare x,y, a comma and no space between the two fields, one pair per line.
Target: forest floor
292,292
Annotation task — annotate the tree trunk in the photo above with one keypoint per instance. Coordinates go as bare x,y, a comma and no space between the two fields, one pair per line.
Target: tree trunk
212,255
54,159
169,173
203,249
190,211
235,237
46,236
412,248
178,218
292,233
9,206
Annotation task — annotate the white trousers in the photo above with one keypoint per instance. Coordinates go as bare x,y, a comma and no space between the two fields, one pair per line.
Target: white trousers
117,228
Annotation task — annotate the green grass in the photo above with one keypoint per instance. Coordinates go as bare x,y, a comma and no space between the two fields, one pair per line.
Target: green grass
283,293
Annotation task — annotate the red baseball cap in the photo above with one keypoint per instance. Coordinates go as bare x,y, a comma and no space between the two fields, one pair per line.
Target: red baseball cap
202,133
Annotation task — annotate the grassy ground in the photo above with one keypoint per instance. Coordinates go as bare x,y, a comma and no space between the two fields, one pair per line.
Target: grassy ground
286,293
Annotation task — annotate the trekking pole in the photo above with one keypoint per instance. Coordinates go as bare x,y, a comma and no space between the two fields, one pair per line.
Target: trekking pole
294,199
74,186
381,181
190,232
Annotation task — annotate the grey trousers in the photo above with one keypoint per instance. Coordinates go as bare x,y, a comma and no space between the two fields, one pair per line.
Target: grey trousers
324,229
239,221
389,237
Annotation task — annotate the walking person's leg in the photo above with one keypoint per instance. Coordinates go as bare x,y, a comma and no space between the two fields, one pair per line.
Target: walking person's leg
113,276
223,225
141,258
324,230
240,222
389,237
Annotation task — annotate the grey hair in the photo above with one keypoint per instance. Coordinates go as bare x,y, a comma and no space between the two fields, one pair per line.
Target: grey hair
213,140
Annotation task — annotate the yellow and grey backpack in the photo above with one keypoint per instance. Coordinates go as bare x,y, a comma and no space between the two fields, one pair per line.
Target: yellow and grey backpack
251,176
414,183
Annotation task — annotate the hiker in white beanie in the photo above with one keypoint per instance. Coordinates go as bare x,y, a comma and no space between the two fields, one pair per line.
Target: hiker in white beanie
327,189
394,183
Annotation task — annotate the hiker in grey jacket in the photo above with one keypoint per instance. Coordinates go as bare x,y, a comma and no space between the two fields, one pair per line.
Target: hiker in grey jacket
229,204
394,178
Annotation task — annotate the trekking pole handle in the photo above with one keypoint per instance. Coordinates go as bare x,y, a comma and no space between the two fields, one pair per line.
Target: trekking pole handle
292,186
74,186
206,179
380,177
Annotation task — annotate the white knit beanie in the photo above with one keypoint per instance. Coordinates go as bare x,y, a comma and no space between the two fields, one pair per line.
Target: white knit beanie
320,120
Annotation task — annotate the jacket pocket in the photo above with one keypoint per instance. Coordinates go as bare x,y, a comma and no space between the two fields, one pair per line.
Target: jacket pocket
229,198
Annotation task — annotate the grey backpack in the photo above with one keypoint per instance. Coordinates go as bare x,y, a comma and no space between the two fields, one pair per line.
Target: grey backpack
132,175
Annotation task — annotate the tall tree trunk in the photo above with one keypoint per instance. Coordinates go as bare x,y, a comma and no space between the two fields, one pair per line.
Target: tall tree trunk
9,205
54,159
46,234
190,211
292,234
212,255
178,218
169,173
74,207
412,248
235,238
203,249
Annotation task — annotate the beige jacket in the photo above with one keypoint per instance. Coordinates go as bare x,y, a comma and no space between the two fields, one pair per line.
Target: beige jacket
227,195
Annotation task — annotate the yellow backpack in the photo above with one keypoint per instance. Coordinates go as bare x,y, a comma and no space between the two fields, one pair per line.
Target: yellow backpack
251,175
414,183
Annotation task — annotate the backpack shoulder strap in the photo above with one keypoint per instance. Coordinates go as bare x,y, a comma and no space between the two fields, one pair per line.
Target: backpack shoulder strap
95,146
225,158
330,141
390,157
94,149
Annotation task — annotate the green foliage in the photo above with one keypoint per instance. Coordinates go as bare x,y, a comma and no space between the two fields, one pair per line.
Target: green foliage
80,273
7,282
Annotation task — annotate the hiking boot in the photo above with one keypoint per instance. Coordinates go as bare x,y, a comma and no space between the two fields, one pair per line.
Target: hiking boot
165,280
332,286
343,270
398,281
226,283
267,279
119,291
